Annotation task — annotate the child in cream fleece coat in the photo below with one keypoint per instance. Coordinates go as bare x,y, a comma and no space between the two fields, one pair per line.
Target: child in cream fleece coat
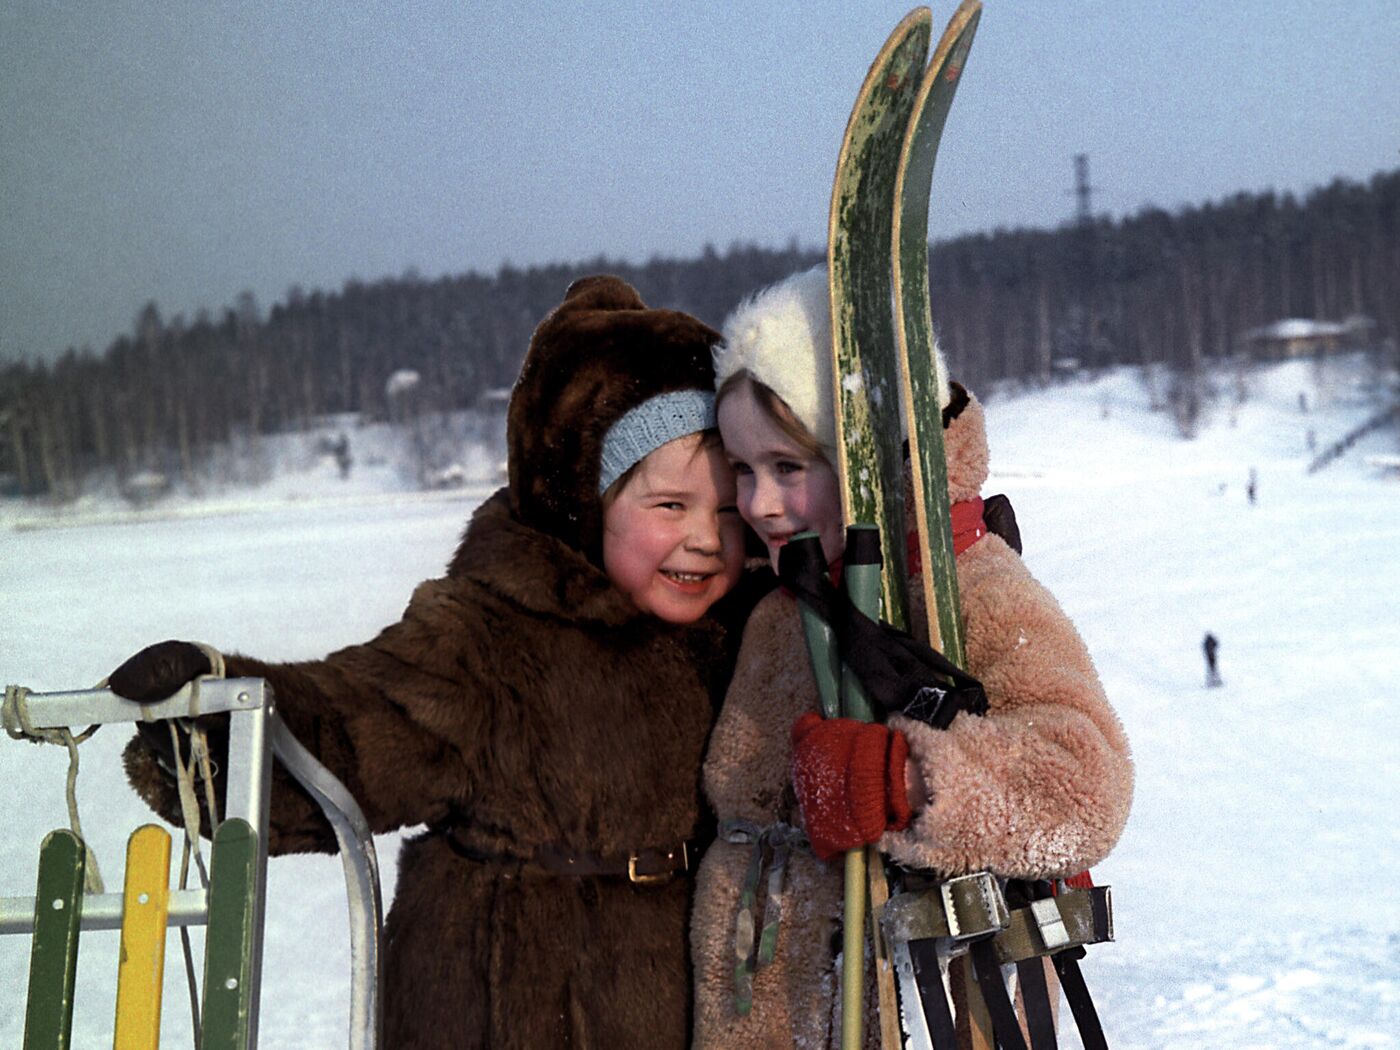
1037,788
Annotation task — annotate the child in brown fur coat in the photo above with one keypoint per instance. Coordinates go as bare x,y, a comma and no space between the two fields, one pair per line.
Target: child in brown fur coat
1038,788
542,707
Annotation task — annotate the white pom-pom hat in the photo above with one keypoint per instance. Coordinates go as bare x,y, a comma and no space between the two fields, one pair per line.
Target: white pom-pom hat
781,337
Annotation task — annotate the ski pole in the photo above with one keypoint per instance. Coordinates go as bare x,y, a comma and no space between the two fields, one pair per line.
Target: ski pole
865,870
805,550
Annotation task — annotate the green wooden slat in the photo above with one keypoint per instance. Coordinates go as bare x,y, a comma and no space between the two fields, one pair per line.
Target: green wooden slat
53,960
229,940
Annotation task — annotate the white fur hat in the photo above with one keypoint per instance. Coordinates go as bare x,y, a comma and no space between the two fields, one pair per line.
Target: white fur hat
782,337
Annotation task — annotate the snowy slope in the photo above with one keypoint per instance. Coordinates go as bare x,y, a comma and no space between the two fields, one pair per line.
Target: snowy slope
1255,902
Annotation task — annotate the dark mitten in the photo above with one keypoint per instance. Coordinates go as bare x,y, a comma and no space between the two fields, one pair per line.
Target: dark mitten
158,671
1001,519
849,781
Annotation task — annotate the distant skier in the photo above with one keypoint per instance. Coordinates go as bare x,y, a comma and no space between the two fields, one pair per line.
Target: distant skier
1211,645
1252,488
341,451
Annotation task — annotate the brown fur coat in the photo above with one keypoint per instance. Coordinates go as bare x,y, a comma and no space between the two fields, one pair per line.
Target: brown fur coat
1038,787
527,699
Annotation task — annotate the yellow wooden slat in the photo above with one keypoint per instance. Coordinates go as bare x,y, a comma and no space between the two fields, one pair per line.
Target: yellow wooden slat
140,974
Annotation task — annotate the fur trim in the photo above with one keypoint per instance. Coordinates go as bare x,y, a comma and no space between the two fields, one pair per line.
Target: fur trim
782,337
965,450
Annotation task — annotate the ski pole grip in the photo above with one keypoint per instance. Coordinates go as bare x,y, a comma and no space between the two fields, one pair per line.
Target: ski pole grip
863,548
860,577
802,557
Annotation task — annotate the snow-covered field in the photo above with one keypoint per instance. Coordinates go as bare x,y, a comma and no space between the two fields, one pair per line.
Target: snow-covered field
1256,899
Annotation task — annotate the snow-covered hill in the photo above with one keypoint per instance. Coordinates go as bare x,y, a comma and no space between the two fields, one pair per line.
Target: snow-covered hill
1256,903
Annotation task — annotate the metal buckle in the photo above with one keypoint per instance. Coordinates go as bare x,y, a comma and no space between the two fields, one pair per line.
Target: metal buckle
661,878
974,905
1050,924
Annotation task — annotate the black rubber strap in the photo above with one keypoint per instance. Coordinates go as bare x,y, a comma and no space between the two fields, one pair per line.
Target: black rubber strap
1035,994
1005,1027
1077,995
933,997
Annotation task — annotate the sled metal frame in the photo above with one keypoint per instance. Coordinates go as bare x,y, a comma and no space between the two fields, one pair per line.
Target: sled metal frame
256,734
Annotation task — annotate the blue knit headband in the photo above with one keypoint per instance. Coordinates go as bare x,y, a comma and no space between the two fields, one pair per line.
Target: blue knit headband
645,428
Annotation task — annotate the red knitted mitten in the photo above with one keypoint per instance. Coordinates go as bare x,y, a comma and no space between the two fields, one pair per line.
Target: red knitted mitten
849,780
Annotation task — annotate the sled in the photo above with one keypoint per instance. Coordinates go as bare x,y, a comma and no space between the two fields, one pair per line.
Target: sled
231,908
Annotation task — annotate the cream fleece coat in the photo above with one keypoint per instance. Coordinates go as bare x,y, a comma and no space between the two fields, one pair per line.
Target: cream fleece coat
1039,787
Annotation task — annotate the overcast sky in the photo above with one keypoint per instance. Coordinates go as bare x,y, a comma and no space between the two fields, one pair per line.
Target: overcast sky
184,151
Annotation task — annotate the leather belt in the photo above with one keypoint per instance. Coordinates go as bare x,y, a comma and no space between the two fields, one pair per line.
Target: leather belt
641,867
645,867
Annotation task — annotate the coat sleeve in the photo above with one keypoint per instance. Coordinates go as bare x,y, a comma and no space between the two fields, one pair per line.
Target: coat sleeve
1040,786
396,719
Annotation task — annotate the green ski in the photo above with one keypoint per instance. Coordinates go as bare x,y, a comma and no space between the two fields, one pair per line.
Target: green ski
883,359
862,328
918,965
867,413
919,379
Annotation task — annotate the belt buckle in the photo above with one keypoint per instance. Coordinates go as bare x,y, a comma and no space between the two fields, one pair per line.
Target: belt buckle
660,878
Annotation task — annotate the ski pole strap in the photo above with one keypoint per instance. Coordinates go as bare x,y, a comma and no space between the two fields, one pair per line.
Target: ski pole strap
771,847
900,674
1077,995
1035,995
1005,1027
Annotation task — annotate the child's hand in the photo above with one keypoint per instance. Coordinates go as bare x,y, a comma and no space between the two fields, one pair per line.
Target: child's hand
159,671
850,781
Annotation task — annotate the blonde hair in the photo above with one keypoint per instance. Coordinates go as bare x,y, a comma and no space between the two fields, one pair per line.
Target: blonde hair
772,405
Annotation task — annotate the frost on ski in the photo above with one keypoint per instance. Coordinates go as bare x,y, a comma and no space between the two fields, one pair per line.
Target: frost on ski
1254,901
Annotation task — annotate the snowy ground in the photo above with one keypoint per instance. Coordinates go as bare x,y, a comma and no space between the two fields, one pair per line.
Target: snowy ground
1254,887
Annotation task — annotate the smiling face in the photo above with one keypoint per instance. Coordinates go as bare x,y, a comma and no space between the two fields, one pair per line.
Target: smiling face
784,487
673,541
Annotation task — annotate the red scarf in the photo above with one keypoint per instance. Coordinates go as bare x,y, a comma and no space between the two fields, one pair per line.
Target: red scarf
968,528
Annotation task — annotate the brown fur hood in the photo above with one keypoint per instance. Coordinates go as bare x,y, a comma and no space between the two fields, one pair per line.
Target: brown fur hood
599,354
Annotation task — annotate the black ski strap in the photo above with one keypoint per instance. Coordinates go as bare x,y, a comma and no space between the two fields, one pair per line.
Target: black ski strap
933,997
1005,1027
1035,995
1077,995
899,673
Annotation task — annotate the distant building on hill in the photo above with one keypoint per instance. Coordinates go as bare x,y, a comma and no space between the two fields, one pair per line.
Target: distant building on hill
1301,337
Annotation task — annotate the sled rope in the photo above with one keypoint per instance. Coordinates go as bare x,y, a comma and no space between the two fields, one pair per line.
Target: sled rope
18,725
200,760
